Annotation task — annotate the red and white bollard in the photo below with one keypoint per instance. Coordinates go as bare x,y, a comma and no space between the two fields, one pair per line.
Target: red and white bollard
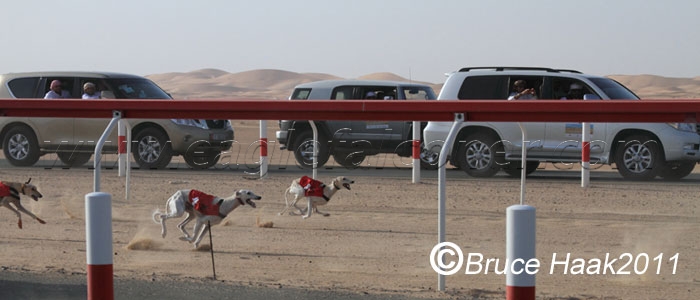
585,155
520,244
98,239
121,148
263,148
416,152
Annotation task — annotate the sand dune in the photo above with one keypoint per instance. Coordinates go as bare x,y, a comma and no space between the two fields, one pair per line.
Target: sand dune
278,84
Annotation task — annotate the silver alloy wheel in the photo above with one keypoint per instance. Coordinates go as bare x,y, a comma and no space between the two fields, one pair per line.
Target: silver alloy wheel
638,158
149,149
18,146
479,155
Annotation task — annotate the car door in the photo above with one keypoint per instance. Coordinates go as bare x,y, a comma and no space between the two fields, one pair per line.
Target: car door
87,131
564,139
54,133
379,136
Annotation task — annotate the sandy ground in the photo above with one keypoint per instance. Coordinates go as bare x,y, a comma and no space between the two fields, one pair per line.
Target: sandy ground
379,236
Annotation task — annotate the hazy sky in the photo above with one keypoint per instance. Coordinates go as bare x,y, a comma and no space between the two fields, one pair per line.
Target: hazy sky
420,39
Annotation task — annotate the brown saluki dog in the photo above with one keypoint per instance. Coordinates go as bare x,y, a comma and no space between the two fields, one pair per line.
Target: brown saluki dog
9,194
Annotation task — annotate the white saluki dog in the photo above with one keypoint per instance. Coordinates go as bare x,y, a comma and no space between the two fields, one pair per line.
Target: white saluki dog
301,187
9,194
205,208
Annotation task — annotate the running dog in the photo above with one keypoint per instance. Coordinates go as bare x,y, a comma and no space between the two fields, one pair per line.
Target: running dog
9,193
316,193
204,208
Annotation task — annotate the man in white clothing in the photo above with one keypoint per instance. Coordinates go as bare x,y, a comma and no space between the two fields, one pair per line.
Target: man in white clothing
56,91
522,93
90,91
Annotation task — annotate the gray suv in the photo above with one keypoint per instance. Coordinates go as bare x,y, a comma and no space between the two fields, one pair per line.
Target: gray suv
154,142
350,142
640,151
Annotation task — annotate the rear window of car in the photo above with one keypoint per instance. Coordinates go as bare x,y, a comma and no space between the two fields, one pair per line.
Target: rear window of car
484,87
301,94
24,87
419,93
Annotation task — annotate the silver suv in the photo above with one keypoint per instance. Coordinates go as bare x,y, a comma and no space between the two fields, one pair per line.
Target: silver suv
640,151
350,142
155,142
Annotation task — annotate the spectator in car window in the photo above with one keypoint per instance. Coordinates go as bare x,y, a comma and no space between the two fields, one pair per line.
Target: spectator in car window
90,91
371,95
56,91
575,91
521,92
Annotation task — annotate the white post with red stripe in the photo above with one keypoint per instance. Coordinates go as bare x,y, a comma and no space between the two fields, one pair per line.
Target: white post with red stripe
585,155
98,240
121,148
520,244
415,148
263,148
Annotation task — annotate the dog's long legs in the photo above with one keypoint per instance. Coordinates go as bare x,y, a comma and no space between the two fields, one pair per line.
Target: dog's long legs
286,202
201,234
184,222
320,212
22,209
19,222
309,208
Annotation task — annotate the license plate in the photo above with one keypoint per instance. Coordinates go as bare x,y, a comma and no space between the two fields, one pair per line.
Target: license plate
217,136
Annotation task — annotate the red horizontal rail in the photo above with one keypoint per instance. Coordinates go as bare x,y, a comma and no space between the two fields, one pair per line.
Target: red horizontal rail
684,110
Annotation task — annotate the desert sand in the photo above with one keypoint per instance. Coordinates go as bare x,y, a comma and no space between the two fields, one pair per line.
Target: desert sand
378,237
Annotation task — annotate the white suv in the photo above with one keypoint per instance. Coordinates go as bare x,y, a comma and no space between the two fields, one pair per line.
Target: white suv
640,151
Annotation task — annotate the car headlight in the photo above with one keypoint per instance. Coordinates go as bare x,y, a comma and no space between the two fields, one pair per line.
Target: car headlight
690,127
191,122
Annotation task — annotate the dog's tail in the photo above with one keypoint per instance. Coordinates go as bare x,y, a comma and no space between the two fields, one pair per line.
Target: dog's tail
157,216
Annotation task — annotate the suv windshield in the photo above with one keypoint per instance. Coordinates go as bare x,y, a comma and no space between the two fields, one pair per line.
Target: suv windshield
136,88
614,89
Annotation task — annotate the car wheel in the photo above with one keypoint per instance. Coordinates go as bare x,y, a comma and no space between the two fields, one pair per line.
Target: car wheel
349,160
21,147
430,158
153,149
479,156
514,168
72,159
677,170
304,151
638,158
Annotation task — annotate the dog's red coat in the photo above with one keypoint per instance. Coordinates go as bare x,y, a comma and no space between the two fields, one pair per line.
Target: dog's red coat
4,190
203,203
311,186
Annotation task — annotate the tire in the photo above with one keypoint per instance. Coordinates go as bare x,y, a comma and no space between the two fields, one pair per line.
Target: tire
72,159
677,170
349,160
481,155
430,158
153,149
21,147
305,149
514,168
639,158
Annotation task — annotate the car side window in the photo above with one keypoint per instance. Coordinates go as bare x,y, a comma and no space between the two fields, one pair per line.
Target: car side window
24,87
342,93
484,87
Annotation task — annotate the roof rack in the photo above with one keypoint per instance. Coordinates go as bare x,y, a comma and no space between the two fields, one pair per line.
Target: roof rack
467,69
